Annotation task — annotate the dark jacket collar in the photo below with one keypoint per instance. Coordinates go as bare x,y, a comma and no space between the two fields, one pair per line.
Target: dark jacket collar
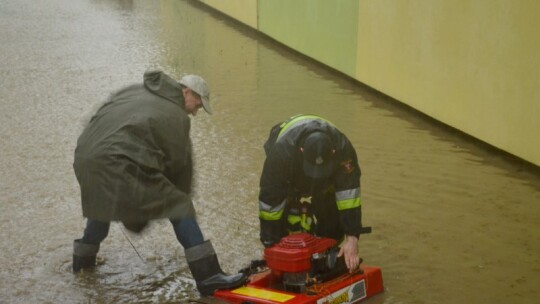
165,86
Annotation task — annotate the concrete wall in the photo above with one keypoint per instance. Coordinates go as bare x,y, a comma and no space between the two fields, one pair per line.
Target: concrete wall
471,64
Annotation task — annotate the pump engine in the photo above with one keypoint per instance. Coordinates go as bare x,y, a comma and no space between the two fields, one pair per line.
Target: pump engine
300,260
304,269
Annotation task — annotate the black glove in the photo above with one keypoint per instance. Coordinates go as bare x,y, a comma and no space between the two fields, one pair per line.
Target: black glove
270,233
267,244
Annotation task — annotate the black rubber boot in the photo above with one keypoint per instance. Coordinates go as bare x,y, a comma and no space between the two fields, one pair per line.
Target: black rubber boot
204,266
84,255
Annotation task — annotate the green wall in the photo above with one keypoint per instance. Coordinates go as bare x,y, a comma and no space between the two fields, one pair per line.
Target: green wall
321,29
244,11
471,64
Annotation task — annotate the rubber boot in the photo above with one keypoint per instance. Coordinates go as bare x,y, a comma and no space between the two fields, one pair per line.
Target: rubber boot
84,255
204,266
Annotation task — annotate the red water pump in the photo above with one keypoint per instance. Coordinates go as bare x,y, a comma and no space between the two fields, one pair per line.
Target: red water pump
303,259
304,269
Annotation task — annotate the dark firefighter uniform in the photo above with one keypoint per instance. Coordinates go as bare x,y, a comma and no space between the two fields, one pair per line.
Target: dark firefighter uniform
290,200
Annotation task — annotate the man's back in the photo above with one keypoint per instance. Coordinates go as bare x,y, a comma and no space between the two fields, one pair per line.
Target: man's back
136,146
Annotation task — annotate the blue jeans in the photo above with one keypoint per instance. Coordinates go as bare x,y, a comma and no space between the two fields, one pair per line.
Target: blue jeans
187,231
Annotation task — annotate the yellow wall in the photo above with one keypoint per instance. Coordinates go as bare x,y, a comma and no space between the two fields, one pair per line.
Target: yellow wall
471,64
474,65
244,11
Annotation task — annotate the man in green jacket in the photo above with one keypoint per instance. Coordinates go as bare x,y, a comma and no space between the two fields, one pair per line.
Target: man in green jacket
133,163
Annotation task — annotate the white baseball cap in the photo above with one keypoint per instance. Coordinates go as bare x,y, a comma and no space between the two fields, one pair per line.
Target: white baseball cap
198,85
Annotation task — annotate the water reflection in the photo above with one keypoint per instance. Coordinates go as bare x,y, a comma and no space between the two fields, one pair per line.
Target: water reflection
453,222
126,5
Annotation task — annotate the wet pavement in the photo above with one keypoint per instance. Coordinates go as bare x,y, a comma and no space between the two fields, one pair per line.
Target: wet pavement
453,221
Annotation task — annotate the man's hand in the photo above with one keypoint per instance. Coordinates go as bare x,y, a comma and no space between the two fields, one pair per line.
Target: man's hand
350,251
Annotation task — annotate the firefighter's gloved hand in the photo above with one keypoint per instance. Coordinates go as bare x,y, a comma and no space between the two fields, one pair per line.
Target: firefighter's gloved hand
269,240
268,244
270,233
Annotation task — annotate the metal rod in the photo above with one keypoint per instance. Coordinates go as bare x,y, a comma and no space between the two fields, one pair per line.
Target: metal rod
127,238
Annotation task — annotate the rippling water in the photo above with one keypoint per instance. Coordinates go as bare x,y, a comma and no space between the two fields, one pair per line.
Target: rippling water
454,222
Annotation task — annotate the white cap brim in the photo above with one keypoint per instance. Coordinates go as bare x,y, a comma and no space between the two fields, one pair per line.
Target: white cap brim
206,104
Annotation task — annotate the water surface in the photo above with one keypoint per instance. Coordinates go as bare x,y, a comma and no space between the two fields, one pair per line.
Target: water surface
453,221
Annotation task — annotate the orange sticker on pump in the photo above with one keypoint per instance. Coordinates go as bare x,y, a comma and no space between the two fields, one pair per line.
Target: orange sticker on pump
263,294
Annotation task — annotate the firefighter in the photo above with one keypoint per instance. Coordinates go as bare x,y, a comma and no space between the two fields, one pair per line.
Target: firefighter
310,182
133,162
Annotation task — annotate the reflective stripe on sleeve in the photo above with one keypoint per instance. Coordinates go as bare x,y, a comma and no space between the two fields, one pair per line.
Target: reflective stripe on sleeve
269,213
348,199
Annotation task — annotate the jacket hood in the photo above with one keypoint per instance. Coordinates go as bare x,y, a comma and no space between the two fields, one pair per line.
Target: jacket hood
163,85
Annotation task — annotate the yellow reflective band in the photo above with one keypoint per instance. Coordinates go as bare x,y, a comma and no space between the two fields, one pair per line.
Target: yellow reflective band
302,219
293,219
270,216
348,203
294,118
286,125
304,222
263,294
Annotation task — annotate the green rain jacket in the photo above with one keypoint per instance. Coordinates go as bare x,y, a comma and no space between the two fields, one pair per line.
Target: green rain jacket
134,160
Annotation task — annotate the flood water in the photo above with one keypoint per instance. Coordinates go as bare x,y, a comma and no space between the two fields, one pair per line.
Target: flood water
453,221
